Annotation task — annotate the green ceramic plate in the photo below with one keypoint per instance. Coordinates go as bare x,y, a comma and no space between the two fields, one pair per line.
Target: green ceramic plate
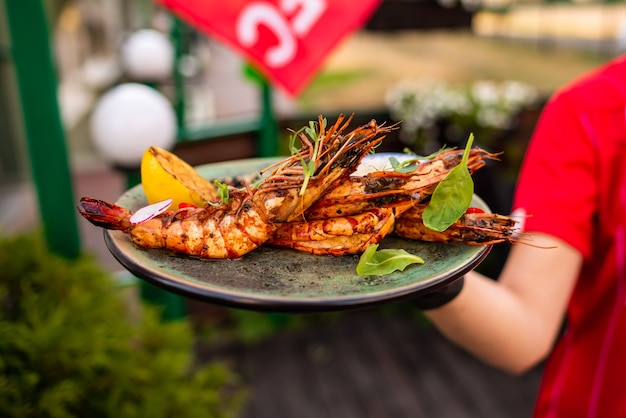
285,280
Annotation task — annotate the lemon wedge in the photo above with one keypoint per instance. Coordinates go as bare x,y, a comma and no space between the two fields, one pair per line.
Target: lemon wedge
166,176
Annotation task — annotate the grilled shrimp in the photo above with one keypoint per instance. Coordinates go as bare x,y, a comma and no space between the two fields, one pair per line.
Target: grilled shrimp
329,157
246,221
225,231
389,188
335,236
475,227
312,202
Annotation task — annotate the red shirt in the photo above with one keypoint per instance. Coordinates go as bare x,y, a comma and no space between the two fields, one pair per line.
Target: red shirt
573,186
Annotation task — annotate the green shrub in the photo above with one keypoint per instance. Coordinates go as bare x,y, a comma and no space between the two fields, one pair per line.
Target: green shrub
68,347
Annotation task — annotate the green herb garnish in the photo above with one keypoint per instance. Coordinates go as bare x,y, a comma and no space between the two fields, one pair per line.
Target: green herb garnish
309,167
452,196
405,166
411,164
222,193
381,262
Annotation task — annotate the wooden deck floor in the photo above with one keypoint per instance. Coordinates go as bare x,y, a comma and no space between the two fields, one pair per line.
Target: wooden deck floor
367,365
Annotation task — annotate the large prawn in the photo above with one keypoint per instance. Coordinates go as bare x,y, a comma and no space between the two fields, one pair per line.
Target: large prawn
336,236
326,157
228,230
475,227
393,188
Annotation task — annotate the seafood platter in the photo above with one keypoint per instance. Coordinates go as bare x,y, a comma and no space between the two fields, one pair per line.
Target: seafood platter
291,238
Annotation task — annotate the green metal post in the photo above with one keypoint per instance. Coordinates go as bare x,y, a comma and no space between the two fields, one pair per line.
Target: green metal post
37,84
268,147
179,42
174,307
268,129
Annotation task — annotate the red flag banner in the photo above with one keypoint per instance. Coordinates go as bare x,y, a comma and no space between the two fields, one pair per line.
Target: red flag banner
287,40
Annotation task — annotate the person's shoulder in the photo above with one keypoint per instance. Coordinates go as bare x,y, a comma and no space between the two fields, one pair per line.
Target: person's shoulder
603,86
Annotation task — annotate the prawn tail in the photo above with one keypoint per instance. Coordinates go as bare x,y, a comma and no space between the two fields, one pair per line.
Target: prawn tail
104,214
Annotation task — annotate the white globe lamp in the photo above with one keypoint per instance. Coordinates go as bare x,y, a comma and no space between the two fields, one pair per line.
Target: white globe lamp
130,118
148,55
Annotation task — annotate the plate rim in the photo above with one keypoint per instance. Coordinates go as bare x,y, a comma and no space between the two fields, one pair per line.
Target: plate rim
267,302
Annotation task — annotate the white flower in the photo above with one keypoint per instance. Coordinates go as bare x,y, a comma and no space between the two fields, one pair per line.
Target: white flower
485,92
517,94
420,104
493,118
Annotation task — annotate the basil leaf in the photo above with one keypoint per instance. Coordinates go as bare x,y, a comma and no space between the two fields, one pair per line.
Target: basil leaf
379,263
452,196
